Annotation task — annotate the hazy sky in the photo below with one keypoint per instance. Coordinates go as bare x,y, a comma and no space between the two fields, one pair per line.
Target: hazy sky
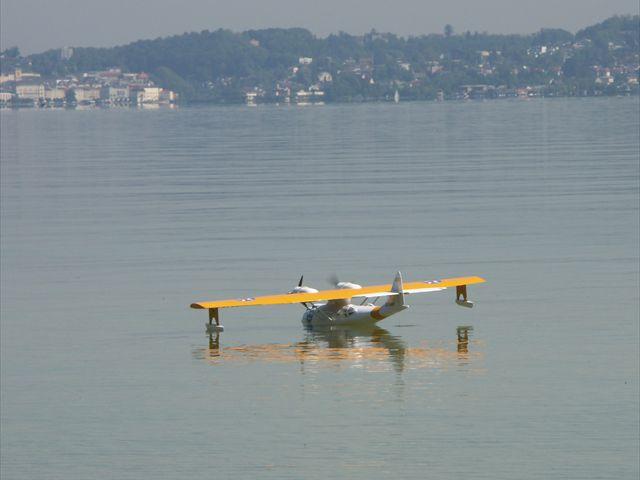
36,25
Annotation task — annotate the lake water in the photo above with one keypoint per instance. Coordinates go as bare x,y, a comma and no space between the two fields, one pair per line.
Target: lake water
114,221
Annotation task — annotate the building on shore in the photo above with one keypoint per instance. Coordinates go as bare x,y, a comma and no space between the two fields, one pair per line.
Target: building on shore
19,76
306,97
115,95
139,95
251,97
85,94
254,95
10,77
107,87
55,95
151,95
30,91
5,97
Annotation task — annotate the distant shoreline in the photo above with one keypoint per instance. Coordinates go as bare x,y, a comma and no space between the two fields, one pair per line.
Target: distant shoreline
291,65
177,106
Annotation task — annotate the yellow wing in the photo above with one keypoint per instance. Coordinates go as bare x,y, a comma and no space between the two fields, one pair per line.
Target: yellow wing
409,287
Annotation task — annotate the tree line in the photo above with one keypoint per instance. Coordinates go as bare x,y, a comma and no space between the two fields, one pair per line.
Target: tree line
220,65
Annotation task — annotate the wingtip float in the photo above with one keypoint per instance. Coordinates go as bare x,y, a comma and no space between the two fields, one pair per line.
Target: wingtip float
335,307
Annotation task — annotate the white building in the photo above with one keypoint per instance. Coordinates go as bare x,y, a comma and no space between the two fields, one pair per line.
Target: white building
151,95
18,75
251,97
140,95
30,91
7,78
114,94
305,60
87,94
28,76
311,95
54,94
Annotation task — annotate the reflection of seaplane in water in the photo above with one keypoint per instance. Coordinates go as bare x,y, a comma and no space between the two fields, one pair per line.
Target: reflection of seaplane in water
361,338
361,345
334,307
328,337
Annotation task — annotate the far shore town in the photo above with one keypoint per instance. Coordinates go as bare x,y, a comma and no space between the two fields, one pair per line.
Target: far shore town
109,87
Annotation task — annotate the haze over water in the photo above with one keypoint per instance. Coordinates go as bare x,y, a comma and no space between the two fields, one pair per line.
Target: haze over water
114,221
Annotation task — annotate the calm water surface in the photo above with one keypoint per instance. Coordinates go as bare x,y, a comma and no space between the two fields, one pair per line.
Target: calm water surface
114,221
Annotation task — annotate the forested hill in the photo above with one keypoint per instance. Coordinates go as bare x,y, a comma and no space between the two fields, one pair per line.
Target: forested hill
222,65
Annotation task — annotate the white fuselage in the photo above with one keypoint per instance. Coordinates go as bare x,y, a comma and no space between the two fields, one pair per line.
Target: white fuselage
343,312
348,314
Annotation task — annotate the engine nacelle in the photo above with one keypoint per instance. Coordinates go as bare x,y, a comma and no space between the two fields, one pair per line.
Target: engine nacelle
347,285
303,289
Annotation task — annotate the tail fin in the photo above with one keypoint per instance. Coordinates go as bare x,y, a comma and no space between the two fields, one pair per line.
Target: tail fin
397,287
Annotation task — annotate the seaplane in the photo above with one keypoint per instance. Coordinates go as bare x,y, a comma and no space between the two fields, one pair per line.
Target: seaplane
337,306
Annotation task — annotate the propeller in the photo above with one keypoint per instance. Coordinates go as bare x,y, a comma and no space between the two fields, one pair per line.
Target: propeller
300,282
333,279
